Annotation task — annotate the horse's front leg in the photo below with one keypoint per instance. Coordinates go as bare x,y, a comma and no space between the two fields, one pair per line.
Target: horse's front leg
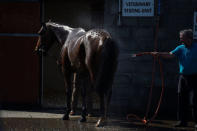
67,81
84,110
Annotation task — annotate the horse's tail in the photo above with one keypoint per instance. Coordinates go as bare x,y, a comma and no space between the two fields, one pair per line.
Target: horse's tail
107,66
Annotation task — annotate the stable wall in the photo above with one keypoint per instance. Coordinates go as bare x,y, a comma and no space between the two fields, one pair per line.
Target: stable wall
137,34
19,66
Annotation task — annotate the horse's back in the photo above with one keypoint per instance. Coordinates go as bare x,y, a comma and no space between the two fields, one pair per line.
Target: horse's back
97,33
85,48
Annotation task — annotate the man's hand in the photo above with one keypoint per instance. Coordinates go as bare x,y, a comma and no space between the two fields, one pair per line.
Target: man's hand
155,54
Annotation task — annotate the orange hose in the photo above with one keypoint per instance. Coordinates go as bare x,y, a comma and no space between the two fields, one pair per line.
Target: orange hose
162,91
145,119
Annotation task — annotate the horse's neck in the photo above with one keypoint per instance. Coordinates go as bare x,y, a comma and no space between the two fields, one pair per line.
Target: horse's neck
60,32
61,35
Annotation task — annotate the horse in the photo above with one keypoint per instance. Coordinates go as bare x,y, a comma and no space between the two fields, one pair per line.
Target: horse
92,52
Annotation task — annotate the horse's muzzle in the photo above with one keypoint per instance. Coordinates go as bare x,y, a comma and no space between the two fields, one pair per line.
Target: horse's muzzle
40,51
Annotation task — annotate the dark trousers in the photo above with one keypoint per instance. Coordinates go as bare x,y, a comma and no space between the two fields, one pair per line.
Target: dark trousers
187,97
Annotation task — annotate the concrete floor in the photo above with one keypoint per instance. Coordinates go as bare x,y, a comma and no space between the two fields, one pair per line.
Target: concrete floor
51,121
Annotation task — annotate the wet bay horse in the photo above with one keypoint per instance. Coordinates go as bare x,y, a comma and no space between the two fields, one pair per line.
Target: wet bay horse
92,52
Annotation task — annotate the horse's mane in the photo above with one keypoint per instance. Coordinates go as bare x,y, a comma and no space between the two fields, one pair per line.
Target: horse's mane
63,30
59,26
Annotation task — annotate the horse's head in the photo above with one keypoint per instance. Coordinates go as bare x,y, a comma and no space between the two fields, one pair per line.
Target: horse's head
45,39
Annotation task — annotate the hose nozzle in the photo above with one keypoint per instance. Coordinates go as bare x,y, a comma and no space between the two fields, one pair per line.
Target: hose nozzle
133,55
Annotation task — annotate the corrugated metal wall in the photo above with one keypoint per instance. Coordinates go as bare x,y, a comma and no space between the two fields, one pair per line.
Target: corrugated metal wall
19,67
137,34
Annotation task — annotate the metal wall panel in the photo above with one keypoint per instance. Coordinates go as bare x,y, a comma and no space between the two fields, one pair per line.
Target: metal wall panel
19,70
19,17
19,67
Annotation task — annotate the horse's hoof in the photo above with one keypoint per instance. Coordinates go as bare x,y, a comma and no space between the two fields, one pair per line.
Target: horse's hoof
90,115
100,122
99,125
83,120
72,113
65,117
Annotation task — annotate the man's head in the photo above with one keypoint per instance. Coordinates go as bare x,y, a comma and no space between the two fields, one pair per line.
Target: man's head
186,37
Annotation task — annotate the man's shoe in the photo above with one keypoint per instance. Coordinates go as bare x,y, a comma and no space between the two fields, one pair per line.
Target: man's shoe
181,124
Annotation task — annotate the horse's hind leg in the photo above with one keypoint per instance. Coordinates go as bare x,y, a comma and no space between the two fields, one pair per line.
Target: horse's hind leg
107,103
102,108
75,93
84,110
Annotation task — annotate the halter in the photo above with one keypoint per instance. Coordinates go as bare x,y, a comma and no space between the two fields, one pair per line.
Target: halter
37,44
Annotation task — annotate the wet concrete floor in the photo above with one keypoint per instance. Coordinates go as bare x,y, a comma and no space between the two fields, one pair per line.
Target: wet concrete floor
40,121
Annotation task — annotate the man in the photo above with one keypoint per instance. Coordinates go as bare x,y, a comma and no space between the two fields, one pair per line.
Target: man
187,56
